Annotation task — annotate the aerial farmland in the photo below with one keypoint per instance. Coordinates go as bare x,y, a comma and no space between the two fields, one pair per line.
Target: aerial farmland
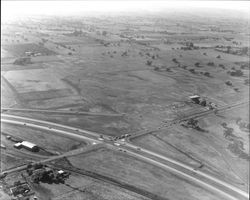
125,106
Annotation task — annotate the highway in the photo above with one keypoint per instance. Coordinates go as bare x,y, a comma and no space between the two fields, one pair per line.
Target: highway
166,163
184,170
61,112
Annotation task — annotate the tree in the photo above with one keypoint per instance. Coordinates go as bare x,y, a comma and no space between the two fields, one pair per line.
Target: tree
104,33
192,71
207,74
237,73
229,83
156,68
174,60
203,102
125,53
244,50
22,61
197,64
149,62
236,89
210,63
224,124
222,66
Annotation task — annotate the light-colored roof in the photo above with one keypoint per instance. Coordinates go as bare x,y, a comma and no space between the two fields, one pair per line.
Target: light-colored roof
28,144
194,96
18,144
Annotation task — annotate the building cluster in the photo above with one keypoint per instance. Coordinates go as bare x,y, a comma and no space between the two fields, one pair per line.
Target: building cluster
21,191
203,102
42,173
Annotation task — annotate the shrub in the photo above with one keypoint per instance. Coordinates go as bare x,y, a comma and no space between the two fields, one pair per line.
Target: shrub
210,63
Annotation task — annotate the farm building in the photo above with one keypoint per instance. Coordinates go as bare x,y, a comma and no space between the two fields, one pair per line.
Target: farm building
195,98
30,146
18,145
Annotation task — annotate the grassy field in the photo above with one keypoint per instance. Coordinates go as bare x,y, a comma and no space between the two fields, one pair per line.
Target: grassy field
78,187
139,174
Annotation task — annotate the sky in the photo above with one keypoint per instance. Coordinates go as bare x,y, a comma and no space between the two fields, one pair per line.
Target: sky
15,9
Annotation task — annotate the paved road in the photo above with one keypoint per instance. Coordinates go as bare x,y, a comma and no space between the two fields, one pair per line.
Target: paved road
62,112
184,118
82,150
164,162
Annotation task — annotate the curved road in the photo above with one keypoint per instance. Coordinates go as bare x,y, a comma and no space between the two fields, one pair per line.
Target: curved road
184,170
